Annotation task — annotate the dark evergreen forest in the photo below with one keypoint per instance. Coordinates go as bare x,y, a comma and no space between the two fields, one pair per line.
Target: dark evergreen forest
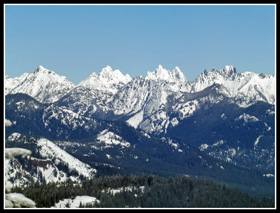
147,191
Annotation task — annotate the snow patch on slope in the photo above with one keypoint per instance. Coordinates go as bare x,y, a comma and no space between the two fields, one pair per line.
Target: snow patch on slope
136,119
109,138
75,203
50,150
247,118
257,141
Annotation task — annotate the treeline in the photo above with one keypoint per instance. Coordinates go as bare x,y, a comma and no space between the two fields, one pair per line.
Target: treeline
178,192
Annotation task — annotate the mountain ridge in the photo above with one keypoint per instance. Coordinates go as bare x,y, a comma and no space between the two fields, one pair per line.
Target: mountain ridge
248,84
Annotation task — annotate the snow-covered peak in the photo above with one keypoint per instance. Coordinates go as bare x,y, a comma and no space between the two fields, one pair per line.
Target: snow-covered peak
41,68
163,74
106,71
11,83
43,84
227,77
41,71
247,87
159,74
228,70
107,80
177,74
115,76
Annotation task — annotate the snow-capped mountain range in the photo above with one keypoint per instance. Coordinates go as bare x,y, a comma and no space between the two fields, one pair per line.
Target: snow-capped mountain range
144,102
115,120
46,86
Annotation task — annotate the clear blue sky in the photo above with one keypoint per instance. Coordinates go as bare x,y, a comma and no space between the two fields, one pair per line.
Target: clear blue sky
76,40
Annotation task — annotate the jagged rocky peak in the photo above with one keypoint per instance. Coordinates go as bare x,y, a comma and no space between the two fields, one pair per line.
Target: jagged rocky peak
177,74
42,69
51,74
163,74
114,75
107,69
48,75
107,80
205,72
107,74
228,70
225,72
159,74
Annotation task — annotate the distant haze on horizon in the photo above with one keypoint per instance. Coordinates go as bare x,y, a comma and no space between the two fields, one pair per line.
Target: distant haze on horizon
77,40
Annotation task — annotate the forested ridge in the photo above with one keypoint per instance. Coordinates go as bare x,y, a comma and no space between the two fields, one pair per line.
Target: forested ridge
146,191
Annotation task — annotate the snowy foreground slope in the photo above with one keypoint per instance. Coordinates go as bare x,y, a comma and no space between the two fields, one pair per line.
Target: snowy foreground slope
49,150
22,168
17,200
